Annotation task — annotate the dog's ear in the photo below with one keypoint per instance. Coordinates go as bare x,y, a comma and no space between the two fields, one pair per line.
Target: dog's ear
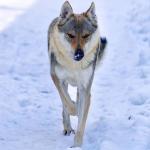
66,10
91,13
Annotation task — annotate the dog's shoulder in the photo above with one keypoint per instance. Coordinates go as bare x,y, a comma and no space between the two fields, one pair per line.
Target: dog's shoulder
51,29
52,25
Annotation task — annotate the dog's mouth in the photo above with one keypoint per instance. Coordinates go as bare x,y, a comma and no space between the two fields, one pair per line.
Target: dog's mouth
78,55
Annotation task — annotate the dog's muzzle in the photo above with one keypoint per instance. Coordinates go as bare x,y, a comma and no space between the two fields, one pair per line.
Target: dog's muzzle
79,54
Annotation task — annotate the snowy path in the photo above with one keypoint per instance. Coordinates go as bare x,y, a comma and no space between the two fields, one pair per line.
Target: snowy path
30,108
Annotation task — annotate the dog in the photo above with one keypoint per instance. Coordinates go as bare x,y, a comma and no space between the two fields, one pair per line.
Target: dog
75,48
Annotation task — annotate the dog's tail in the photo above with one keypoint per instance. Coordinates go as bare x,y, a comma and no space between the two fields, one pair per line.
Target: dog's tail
101,49
103,41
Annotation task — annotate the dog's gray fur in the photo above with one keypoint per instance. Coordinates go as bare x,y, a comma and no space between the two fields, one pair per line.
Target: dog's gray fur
64,70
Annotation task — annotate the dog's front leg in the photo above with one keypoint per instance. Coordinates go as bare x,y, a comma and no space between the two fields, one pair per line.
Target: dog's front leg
66,119
62,89
83,108
67,123
66,100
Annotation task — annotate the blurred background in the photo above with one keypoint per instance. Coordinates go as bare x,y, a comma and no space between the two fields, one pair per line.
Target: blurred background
30,107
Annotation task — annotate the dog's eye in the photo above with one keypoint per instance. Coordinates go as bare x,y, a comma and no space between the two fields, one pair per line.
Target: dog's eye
71,35
85,36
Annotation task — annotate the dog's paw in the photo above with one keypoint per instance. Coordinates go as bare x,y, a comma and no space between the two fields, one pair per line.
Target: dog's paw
74,148
67,132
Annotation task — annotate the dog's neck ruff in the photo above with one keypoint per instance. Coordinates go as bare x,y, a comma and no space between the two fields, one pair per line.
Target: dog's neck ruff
65,60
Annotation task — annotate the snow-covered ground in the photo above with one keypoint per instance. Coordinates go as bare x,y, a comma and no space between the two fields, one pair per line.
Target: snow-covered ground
30,108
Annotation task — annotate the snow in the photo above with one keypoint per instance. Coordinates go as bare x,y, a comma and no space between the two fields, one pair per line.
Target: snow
76,148
30,107
10,9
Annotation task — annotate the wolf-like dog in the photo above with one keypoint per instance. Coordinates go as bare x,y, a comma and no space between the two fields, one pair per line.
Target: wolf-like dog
75,48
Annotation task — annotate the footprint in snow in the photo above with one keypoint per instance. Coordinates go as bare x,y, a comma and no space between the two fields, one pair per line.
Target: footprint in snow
139,100
24,103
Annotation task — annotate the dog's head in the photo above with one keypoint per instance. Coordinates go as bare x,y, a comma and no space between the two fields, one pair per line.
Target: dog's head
78,32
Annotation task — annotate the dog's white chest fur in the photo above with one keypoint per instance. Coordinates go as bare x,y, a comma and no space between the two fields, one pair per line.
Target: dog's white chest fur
74,77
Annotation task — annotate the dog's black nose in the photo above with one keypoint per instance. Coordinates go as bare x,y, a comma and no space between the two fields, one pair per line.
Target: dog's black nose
79,54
